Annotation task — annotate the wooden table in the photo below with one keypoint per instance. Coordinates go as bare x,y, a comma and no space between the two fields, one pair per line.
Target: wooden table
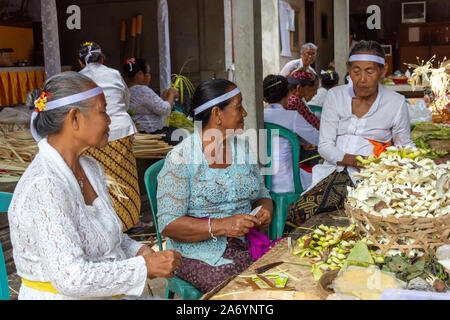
407,91
302,279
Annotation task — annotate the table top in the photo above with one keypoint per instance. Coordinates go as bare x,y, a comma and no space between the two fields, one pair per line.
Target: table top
405,88
301,277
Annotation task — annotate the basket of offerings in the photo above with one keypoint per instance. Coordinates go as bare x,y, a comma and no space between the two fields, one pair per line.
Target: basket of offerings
402,202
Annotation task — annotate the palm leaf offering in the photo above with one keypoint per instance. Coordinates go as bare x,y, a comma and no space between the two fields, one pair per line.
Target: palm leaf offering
182,83
437,80
425,134
150,146
17,150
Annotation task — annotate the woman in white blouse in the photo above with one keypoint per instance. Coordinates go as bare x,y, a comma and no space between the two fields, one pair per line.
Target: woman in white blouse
150,110
357,119
276,93
328,80
67,240
117,158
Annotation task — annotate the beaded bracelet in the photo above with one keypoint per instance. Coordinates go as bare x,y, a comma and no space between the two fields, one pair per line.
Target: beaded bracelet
210,230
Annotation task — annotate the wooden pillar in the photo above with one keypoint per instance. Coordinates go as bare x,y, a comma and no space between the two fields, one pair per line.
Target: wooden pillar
50,35
248,73
229,63
164,45
341,36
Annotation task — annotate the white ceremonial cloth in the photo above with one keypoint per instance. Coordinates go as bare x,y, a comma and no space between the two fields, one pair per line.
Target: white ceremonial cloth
282,179
293,65
57,238
319,98
341,132
117,99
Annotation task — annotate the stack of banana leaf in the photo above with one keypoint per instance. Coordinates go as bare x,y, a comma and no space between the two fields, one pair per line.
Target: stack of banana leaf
434,136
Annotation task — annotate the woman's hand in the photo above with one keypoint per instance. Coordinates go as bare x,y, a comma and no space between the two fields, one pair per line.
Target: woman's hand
170,95
144,250
350,160
265,217
309,146
162,264
234,226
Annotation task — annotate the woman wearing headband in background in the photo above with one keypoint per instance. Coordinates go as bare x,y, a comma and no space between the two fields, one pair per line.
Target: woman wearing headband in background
303,86
329,79
117,158
149,109
207,189
276,93
67,240
358,119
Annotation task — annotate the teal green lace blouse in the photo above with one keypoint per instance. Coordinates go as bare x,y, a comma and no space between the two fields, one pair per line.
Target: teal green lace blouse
187,186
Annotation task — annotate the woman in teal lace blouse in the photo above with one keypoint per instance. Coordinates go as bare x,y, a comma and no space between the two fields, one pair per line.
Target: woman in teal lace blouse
207,189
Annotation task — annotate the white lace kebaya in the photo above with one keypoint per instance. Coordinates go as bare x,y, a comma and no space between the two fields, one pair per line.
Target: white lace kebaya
57,238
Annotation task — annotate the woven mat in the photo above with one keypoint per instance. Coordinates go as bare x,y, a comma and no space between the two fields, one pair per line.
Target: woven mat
304,281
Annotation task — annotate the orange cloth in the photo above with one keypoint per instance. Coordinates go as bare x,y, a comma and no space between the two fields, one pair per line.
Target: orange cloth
379,147
15,86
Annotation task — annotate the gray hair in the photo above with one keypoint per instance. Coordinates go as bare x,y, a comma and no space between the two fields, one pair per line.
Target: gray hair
368,46
59,86
308,45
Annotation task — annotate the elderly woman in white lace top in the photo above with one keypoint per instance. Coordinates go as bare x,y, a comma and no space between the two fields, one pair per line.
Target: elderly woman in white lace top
150,110
67,240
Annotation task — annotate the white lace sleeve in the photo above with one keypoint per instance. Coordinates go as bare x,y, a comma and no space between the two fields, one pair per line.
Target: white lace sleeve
51,211
130,246
150,103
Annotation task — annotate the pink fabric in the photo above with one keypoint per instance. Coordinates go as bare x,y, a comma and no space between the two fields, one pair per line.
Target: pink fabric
259,242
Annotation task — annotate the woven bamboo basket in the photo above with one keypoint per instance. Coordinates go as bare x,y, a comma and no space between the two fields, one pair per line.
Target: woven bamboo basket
427,232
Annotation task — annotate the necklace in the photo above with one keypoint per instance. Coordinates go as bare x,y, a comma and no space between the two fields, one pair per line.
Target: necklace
80,180
81,183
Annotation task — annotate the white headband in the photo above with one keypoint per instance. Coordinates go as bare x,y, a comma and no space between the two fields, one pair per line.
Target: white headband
326,72
367,57
90,51
61,103
216,101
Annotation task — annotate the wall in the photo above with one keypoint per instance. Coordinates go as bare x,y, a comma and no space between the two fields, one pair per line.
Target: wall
325,53
437,10
326,45
270,37
300,4
20,39
188,40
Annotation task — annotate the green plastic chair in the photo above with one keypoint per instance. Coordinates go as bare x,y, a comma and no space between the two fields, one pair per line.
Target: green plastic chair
174,285
314,108
282,200
5,200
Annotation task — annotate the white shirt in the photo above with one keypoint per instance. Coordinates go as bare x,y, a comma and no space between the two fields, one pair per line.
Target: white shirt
341,132
150,110
319,98
282,180
117,99
292,65
57,238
